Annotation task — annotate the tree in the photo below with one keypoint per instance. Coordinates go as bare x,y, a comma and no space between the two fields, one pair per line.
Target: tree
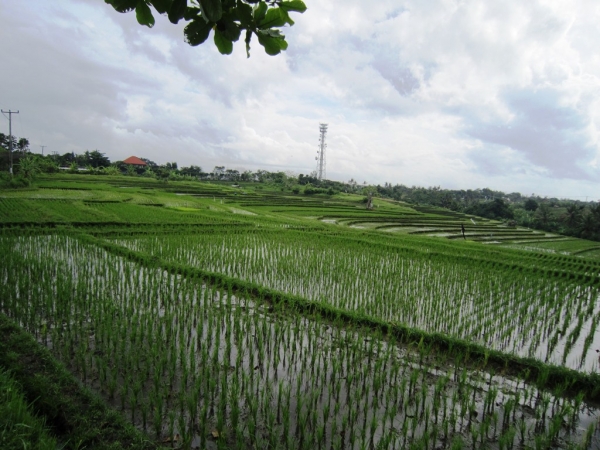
29,167
5,141
595,213
170,166
149,162
66,159
23,145
113,169
590,229
228,18
232,174
496,209
542,215
97,159
47,164
573,215
369,191
530,205
192,171
218,172
148,172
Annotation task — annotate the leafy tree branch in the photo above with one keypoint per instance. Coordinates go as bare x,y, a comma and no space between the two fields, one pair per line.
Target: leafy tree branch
227,19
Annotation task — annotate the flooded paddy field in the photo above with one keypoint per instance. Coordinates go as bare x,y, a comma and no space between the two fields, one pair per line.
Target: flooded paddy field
197,365
528,314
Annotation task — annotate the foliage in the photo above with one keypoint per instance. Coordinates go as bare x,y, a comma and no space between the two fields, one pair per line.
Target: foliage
29,167
18,144
497,209
112,170
530,204
227,18
573,216
543,216
12,182
94,159
192,171
19,428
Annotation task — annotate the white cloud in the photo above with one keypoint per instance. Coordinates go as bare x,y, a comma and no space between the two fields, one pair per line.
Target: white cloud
453,93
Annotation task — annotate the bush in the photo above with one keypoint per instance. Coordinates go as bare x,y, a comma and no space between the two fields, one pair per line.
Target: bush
13,182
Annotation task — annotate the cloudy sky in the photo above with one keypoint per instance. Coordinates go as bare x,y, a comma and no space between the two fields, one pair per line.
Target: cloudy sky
460,94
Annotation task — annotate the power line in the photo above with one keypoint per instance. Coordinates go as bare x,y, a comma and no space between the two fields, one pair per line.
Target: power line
10,139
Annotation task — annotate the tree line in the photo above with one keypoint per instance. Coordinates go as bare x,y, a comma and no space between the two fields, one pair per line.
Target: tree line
568,217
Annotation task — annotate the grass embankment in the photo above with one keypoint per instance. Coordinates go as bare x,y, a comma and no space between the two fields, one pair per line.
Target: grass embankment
19,426
47,408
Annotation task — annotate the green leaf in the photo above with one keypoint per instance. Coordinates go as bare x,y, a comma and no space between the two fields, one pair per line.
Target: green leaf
244,13
177,10
211,9
224,45
273,18
259,11
191,13
293,5
144,14
197,31
272,41
122,6
161,6
229,28
273,33
286,17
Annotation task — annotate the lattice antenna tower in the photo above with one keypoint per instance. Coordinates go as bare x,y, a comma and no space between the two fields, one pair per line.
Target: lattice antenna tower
321,161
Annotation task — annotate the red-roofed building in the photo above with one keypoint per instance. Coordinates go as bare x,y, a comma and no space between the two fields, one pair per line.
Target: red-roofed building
135,161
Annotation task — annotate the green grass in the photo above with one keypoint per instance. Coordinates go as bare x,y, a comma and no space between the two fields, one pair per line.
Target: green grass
562,245
20,428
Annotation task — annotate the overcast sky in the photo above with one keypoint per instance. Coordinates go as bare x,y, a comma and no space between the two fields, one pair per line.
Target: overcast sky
460,94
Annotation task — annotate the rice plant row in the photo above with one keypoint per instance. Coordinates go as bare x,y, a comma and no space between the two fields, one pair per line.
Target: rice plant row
189,362
551,319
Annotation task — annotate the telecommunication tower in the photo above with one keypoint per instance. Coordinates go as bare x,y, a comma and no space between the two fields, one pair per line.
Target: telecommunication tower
321,164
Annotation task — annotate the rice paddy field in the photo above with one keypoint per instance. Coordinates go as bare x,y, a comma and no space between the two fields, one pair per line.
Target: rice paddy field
222,317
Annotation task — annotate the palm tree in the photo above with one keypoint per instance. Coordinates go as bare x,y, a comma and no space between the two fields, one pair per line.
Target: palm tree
573,216
542,215
588,226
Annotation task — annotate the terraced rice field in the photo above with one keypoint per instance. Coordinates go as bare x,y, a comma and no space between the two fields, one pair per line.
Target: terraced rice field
287,327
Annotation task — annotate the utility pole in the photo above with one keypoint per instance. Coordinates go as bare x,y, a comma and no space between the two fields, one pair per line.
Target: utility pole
10,139
43,147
